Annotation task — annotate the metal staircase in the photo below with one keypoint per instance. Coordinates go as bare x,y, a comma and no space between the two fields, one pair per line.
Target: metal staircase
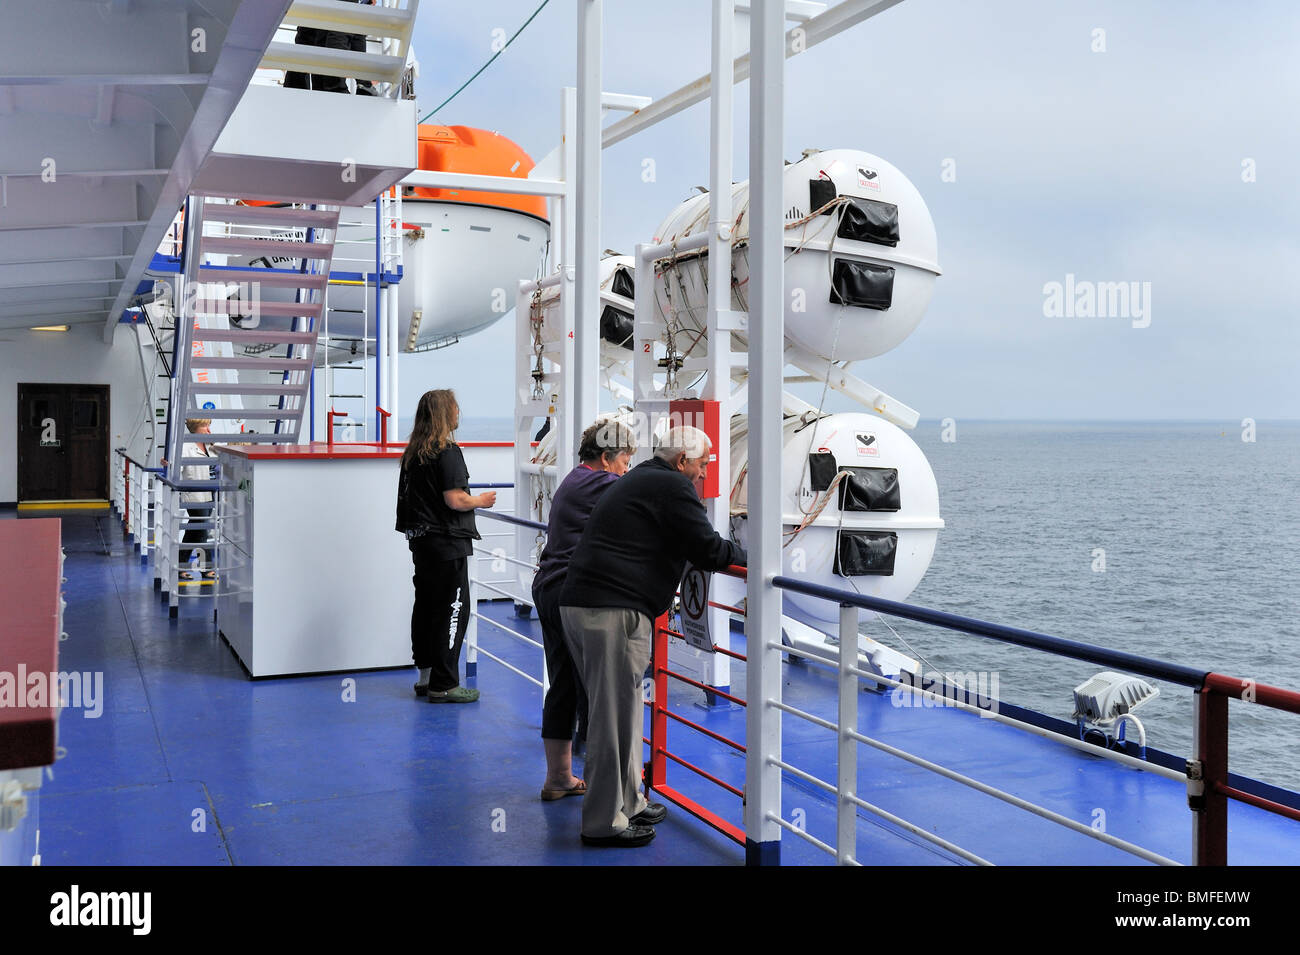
246,336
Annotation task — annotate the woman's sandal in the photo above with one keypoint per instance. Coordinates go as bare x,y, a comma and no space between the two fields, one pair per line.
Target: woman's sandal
550,795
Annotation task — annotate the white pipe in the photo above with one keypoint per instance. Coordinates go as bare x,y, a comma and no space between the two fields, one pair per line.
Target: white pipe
766,352
822,27
586,339
717,666
433,179
846,813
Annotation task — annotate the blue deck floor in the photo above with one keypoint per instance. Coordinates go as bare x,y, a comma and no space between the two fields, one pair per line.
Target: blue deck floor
193,763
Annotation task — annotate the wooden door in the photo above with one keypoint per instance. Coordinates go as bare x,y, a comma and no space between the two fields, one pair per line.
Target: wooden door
62,442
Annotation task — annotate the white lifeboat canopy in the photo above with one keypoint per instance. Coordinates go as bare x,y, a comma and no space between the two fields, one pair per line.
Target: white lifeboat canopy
860,263
860,508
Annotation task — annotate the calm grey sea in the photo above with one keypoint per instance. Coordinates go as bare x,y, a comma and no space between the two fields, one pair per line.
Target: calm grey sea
1201,538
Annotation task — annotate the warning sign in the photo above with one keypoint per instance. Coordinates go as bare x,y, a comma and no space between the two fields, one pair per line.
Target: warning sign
695,608
866,443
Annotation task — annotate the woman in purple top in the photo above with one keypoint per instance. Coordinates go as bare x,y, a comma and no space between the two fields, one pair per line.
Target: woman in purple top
604,452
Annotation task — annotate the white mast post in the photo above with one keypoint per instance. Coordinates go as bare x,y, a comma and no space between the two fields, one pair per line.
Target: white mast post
766,341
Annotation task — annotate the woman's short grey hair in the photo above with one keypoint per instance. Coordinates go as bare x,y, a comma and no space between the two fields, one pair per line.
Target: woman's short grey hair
694,442
606,436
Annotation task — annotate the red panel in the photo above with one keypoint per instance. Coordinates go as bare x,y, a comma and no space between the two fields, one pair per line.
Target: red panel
29,640
703,415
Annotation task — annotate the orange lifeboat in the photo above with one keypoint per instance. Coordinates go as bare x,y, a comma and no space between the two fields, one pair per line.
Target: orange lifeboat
477,151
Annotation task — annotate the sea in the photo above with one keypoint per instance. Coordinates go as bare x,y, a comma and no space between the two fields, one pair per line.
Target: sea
1177,540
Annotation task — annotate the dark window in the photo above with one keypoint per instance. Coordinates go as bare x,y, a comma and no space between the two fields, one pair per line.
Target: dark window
85,413
40,411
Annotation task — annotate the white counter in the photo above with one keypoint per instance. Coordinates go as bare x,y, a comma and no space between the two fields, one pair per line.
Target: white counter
314,578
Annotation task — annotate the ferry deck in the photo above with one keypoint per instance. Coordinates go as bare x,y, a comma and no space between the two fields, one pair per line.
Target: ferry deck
286,772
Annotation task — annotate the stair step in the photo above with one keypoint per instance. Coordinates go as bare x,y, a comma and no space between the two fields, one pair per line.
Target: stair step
356,18
290,390
271,217
252,364
243,413
267,277
256,248
253,437
254,335
267,310
380,68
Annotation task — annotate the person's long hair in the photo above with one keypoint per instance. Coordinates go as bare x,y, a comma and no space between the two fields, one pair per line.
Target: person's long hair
435,419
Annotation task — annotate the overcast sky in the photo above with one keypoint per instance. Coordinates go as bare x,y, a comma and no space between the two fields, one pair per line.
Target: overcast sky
1123,165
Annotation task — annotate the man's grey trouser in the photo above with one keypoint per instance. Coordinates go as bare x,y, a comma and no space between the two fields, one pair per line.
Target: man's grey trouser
612,649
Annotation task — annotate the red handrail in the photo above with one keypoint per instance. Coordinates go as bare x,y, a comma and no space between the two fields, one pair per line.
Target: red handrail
1208,789
656,770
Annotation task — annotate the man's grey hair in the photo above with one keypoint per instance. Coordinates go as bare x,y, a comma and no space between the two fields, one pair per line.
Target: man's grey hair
694,442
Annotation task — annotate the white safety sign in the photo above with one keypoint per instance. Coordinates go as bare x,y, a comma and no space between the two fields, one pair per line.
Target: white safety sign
695,608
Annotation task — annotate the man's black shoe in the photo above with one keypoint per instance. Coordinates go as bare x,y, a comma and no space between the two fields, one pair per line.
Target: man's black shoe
651,815
629,838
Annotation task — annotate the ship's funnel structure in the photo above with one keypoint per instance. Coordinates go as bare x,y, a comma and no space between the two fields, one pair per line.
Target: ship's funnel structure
860,507
860,265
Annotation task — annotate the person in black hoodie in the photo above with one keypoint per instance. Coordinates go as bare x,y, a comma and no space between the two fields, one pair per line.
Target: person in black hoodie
622,575
436,513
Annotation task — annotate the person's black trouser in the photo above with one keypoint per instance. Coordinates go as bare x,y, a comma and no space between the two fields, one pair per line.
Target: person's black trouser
440,615
566,700
310,36
197,535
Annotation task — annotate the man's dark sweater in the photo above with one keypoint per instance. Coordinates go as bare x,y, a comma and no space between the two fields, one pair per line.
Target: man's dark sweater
638,539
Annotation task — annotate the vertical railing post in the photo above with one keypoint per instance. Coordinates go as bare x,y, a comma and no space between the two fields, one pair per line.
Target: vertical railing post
846,811
126,491
146,523
175,521
657,771
471,630
1210,769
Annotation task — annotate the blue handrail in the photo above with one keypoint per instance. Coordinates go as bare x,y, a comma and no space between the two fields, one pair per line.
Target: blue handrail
1130,662
508,518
